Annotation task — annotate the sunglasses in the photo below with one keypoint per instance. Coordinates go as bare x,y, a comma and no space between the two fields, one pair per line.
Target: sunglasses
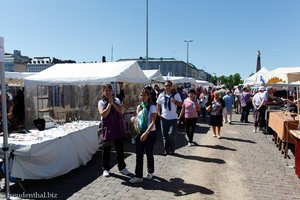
168,85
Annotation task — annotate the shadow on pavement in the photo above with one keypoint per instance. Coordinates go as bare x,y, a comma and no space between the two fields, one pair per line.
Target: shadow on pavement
238,140
219,147
199,158
241,123
174,185
201,129
66,185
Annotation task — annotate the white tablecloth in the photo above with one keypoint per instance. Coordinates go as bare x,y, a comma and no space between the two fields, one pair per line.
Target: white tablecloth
53,152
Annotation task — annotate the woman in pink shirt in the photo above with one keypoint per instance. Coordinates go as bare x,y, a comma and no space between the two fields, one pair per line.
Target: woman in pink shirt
190,109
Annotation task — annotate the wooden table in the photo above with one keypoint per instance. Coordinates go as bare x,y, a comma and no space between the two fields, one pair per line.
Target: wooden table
296,134
282,123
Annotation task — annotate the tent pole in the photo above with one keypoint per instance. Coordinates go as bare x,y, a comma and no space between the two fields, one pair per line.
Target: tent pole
4,117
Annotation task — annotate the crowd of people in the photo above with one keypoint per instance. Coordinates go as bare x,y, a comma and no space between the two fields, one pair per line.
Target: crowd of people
169,109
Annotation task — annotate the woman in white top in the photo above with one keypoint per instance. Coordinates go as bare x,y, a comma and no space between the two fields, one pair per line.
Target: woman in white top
144,142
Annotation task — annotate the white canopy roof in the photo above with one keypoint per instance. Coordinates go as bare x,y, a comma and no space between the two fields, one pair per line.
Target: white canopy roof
88,74
258,78
17,75
154,75
203,83
284,74
180,79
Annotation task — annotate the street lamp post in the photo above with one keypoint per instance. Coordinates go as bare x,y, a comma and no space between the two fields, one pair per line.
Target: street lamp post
187,55
146,34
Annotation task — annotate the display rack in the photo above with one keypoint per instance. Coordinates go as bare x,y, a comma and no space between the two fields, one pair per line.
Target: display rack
43,107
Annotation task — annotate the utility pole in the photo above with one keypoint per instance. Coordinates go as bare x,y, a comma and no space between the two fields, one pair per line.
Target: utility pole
187,55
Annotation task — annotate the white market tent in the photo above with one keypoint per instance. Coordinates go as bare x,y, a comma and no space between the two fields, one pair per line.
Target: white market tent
296,83
284,74
203,83
258,78
16,78
180,79
17,75
154,75
88,74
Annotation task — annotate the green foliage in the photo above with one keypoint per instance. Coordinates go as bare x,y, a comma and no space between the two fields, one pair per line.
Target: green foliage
229,81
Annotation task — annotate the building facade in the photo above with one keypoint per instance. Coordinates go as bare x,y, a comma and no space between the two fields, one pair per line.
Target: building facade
172,67
15,62
38,64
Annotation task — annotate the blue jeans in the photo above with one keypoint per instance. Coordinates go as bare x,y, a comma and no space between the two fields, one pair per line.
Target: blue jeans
169,131
141,147
245,114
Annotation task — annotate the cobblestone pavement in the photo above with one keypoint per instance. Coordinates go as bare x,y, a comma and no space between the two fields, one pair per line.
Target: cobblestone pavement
241,165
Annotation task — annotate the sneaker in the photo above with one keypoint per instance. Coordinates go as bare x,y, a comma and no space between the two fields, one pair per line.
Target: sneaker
105,173
214,135
149,176
189,144
229,122
219,137
254,131
136,180
165,153
124,171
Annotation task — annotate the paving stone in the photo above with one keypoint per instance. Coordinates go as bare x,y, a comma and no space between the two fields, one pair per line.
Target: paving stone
241,165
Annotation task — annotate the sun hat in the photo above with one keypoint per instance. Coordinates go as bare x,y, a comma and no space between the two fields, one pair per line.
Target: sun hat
269,88
261,88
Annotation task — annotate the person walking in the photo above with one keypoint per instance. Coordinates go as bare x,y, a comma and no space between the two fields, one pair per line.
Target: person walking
146,113
183,96
113,130
190,108
203,100
245,99
259,109
237,92
167,103
229,101
216,114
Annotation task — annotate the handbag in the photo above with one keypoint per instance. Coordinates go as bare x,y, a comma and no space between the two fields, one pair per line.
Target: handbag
208,108
133,128
102,134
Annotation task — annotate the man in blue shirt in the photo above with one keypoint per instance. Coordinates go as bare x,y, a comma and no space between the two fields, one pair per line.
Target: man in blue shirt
229,100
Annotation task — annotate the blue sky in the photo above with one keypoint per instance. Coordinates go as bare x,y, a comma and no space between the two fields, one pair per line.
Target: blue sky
226,34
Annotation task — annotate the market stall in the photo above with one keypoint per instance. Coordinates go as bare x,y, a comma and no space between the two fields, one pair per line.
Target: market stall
71,91
187,82
53,152
284,74
68,94
258,78
281,123
296,135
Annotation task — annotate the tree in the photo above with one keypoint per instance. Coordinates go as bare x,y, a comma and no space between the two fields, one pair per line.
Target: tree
56,61
214,79
230,81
